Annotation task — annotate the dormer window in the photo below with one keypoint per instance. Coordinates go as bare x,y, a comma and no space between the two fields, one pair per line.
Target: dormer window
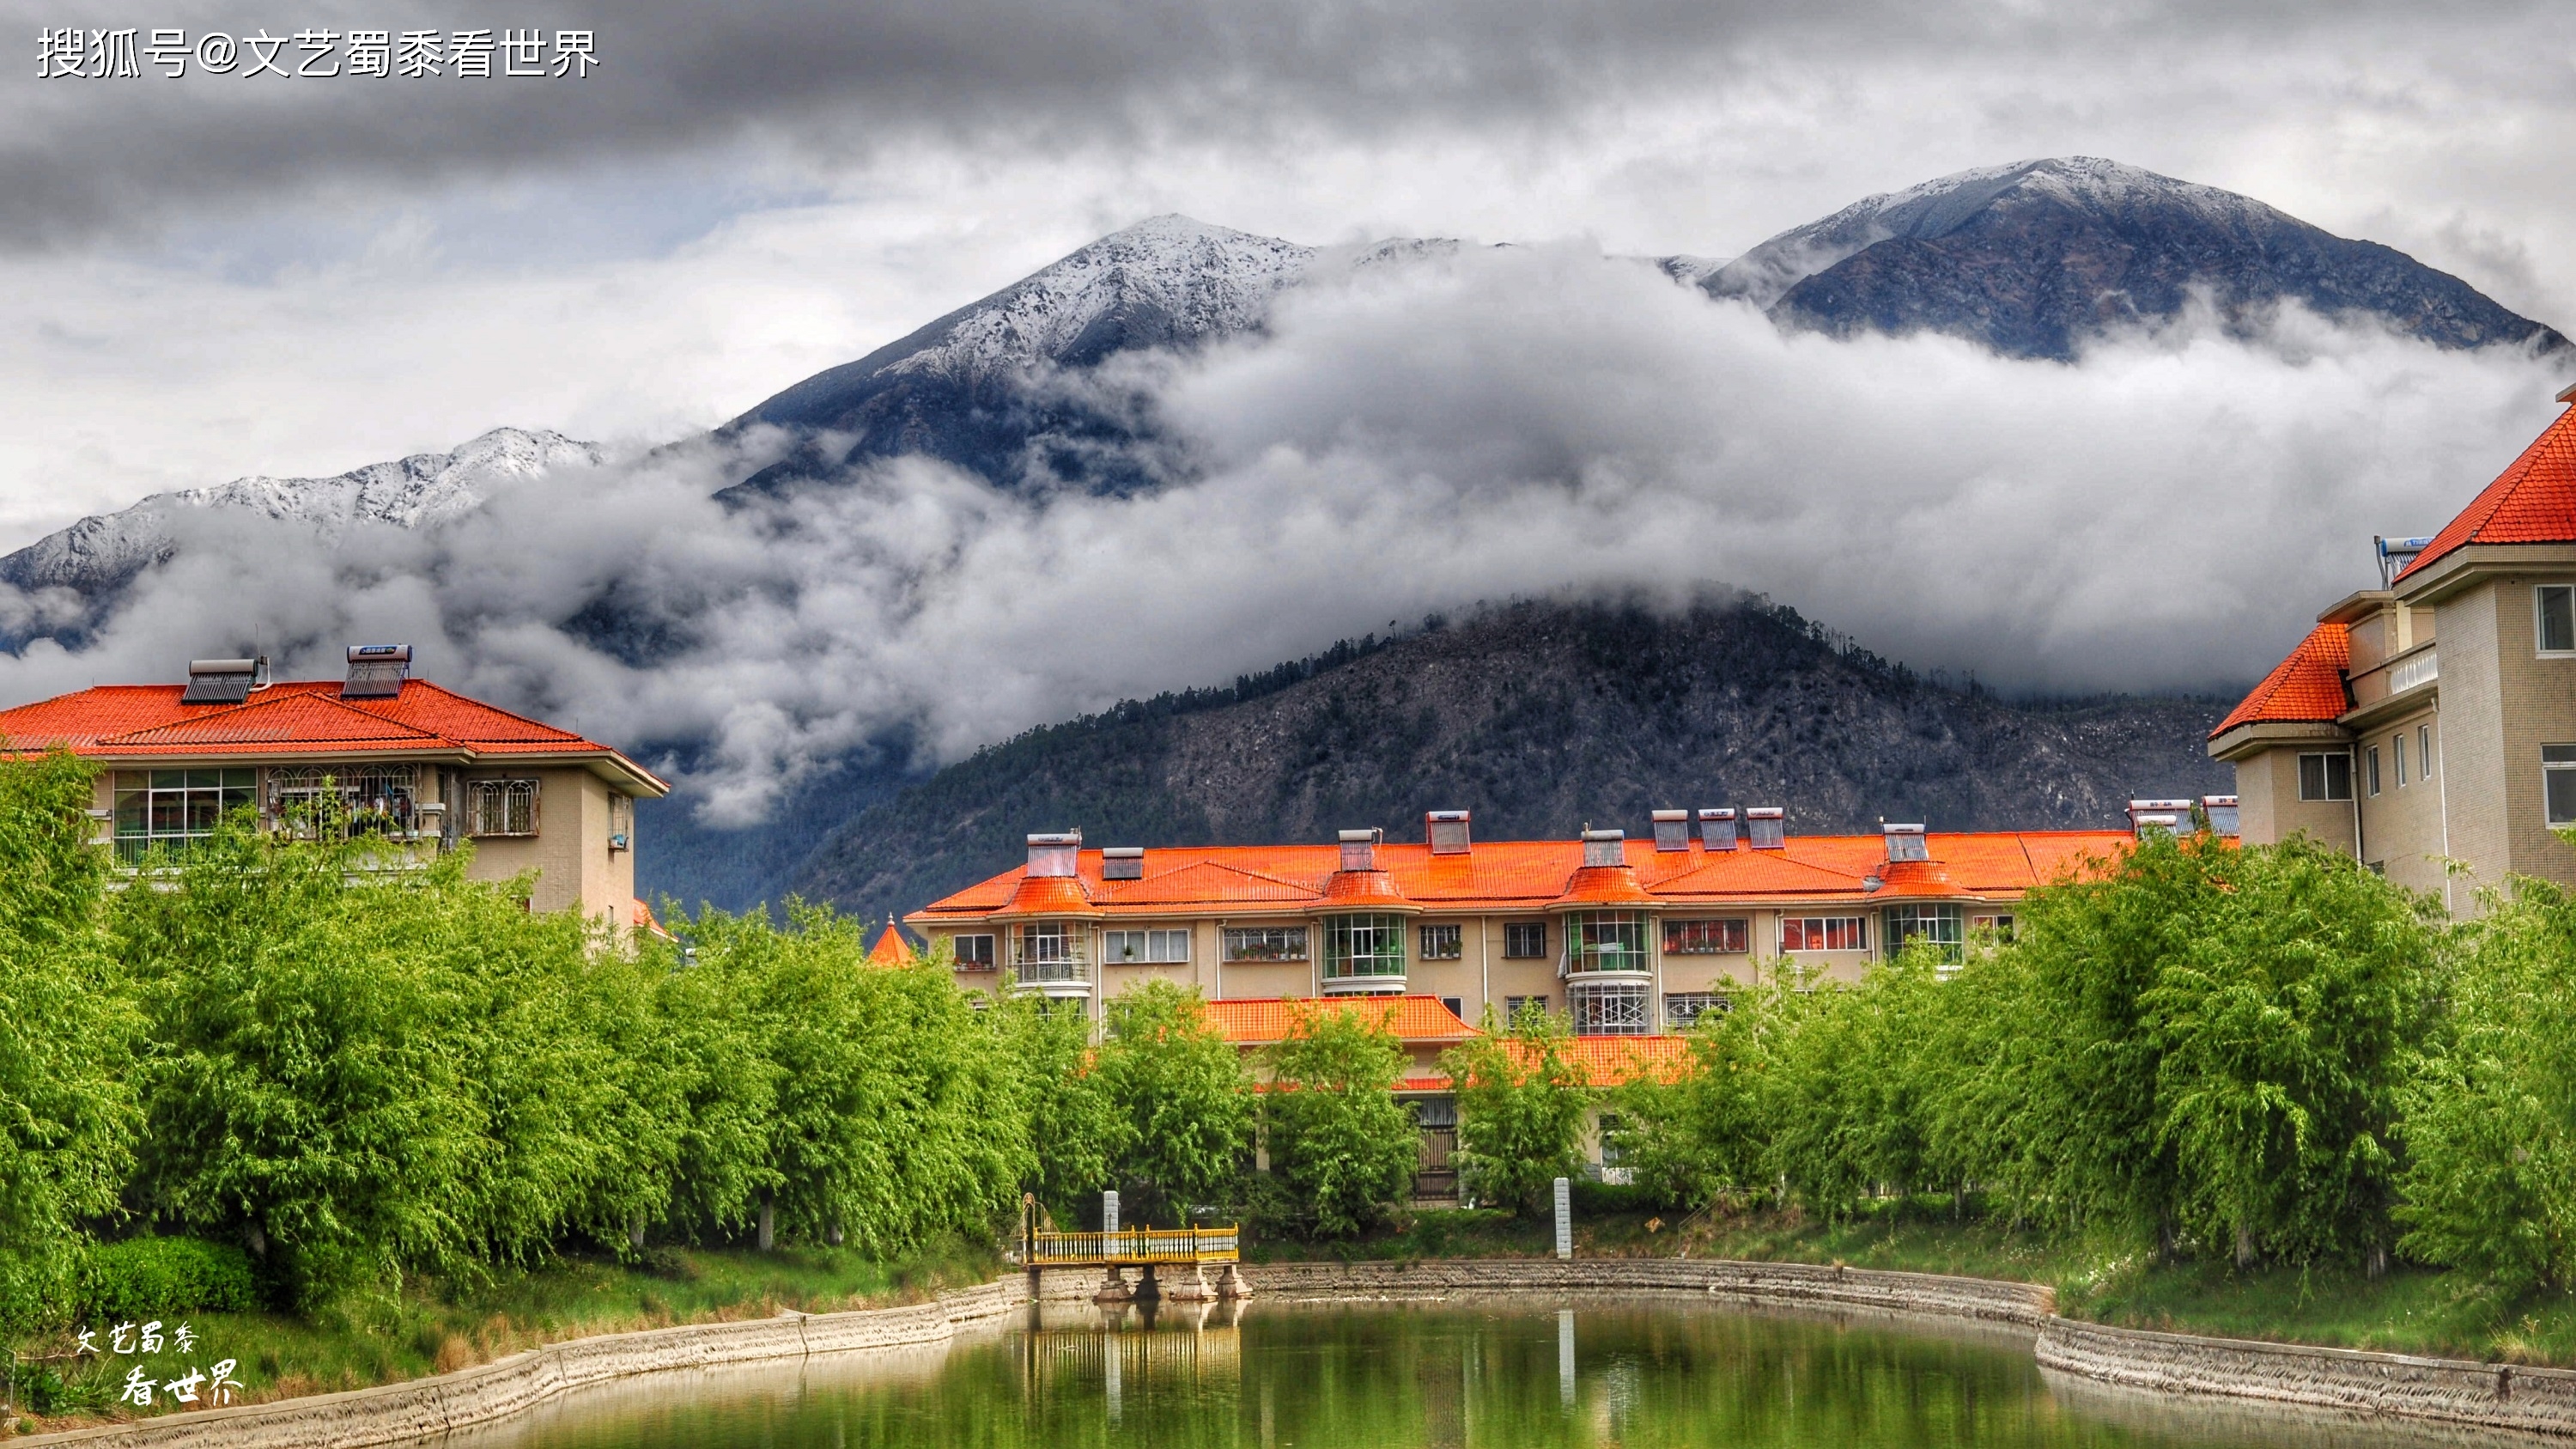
1768,825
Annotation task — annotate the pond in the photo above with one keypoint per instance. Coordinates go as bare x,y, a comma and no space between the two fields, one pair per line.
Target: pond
1517,1373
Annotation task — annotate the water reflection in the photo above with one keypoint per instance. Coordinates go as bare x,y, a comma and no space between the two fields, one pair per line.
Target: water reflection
1633,1373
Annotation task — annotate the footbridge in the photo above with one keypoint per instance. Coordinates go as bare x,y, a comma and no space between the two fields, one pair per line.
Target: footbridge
1169,1262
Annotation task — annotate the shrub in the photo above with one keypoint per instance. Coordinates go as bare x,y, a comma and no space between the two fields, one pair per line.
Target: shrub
1340,1144
1521,1102
156,1277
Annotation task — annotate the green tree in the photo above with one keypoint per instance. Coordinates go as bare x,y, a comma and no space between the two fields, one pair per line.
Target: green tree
2490,1124
1180,1087
68,1112
1844,1105
1521,1104
1341,1146
1702,1134
1078,1130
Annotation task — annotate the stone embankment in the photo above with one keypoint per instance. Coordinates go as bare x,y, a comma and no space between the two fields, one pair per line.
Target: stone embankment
2494,1396
426,1408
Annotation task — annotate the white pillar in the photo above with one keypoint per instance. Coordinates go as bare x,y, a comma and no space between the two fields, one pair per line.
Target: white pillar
1109,1211
1564,1349
1564,1218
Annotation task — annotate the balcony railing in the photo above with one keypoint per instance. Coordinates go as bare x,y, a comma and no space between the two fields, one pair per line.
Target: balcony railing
2416,667
1057,963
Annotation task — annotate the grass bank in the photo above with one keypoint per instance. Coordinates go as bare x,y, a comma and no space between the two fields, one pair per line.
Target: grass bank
2408,1310
436,1327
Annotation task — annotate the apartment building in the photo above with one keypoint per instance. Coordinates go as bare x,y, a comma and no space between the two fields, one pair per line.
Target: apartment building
1629,937
2428,726
420,768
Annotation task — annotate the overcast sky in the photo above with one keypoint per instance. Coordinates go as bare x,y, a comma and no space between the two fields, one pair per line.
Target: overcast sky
224,275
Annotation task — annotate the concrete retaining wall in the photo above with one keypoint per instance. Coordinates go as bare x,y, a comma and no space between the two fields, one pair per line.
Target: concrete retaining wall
1797,1283
2496,1396
397,1413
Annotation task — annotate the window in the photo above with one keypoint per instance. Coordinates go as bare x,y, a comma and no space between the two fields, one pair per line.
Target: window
2558,782
1614,1157
1443,943
1046,951
1605,941
1513,1006
2372,773
1823,933
1604,1008
369,798
1265,943
621,821
1363,946
2424,749
1683,1009
1945,926
1454,1006
174,807
1524,940
2001,927
1705,938
974,953
2397,747
2556,606
2325,776
501,807
1127,948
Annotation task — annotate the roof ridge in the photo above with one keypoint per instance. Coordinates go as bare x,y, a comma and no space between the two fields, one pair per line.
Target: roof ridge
496,709
217,717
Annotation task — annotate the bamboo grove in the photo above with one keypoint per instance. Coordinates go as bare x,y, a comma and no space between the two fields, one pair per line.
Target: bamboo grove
355,1075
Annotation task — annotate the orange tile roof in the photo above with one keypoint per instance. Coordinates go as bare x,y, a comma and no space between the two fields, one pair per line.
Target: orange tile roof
295,717
2533,501
1610,1061
2306,688
891,948
1259,1021
1525,876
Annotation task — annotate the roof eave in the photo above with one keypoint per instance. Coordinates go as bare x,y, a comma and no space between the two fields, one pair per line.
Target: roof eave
2255,736
2471,563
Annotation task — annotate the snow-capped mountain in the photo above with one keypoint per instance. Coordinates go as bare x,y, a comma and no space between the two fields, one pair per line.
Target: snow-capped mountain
100,554
973,387
2033,258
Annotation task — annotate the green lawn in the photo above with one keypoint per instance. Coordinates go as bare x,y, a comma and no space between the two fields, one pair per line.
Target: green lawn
432,1327
2410,1310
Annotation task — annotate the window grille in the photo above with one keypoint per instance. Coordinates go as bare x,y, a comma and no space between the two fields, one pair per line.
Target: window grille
1609,1009
621,821
1683,1009
1722,937
1525,940
1605,941
175,808
1823,933
1363,945
1265,943
366,798
1443,943
500,807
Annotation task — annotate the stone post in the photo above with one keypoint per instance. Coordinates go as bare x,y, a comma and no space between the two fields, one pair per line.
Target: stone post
1564,1218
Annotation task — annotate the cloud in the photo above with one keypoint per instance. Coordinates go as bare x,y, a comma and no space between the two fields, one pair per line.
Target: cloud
2169,512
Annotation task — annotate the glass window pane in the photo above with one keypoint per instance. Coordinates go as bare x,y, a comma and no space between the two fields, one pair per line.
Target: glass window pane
2562,795
2558,618
169,779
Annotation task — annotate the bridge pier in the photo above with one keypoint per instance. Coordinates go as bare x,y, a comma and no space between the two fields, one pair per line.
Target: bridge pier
1230,1284
1115,1289
1192,1289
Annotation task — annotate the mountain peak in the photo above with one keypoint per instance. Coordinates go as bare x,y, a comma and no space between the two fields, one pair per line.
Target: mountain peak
2033,257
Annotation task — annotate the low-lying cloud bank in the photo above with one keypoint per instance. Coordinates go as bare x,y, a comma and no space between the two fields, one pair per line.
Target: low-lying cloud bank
2169,513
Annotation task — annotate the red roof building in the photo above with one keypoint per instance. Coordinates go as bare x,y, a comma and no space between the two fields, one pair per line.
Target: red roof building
2428,726
416,765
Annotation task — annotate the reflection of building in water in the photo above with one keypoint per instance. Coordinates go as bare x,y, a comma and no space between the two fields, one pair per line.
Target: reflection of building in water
1130,1349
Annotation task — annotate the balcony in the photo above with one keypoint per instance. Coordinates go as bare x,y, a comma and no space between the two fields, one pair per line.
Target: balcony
1605,946
1049,965
2413,669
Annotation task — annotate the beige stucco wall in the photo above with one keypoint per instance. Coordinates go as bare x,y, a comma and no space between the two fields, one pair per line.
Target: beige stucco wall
2537,706
2269,809
2402,827
570,851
